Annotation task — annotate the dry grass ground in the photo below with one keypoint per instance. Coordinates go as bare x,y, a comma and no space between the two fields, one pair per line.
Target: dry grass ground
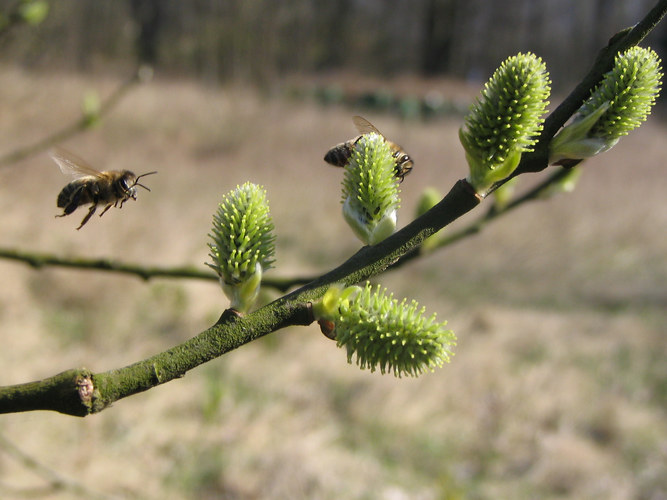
559,384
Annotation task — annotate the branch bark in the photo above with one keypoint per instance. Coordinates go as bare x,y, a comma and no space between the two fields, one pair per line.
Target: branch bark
38,260
621,41
82,392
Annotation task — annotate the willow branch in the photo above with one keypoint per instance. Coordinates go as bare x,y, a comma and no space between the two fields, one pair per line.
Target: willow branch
81,392
38,260
623,40
80,125
532,162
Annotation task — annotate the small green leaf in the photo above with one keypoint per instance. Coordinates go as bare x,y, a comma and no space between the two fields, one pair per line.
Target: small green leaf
503,195
33,12
429,198
91,108
565,184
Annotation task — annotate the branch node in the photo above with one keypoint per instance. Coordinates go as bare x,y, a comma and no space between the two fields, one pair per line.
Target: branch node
86,388
229,315
156,371
328,328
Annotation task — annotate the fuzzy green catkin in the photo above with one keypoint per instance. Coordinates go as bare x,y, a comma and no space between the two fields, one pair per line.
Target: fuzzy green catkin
242,234
620,103
508,116
370,190
630,88
391,336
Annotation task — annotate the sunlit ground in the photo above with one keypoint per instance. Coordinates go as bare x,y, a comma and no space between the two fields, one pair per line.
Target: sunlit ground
559,384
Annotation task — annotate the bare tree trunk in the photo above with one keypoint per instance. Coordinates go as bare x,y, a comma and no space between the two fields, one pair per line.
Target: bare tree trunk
148,15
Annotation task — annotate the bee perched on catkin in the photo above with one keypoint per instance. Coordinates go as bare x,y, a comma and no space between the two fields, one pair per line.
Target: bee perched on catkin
370,190
340,155
383,333
242,246
111,188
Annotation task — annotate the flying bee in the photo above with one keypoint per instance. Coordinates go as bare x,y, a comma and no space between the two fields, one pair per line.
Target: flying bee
340,155
111,188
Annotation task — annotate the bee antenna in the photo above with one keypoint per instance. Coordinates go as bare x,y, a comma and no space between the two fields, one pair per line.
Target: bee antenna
143,175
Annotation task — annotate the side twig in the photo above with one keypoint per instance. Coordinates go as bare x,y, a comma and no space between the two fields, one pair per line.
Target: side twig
38,260
80,125
55,482
80,392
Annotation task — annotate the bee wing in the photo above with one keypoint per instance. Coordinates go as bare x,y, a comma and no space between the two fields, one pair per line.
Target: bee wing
70,164
364,126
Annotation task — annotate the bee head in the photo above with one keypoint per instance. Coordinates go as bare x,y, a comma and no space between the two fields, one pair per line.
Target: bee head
128,181
405,161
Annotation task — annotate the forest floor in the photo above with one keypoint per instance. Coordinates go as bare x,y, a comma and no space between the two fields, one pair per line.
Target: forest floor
558,388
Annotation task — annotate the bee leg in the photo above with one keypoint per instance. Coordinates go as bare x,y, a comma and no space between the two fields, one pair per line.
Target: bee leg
106,208
67,210
90,213
72,205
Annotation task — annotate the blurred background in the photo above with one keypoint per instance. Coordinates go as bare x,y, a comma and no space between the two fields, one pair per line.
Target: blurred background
559,384
260,43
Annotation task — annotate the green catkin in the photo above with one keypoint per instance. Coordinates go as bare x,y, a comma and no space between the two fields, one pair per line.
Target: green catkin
370,190
243,244
505,121
508,116
382,333
630,88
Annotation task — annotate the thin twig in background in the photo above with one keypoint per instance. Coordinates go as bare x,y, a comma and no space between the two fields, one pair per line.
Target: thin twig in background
39,260
55,482
82,124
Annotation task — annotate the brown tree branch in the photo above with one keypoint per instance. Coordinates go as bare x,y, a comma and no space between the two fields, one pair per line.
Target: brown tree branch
38,260
623,40
81,392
